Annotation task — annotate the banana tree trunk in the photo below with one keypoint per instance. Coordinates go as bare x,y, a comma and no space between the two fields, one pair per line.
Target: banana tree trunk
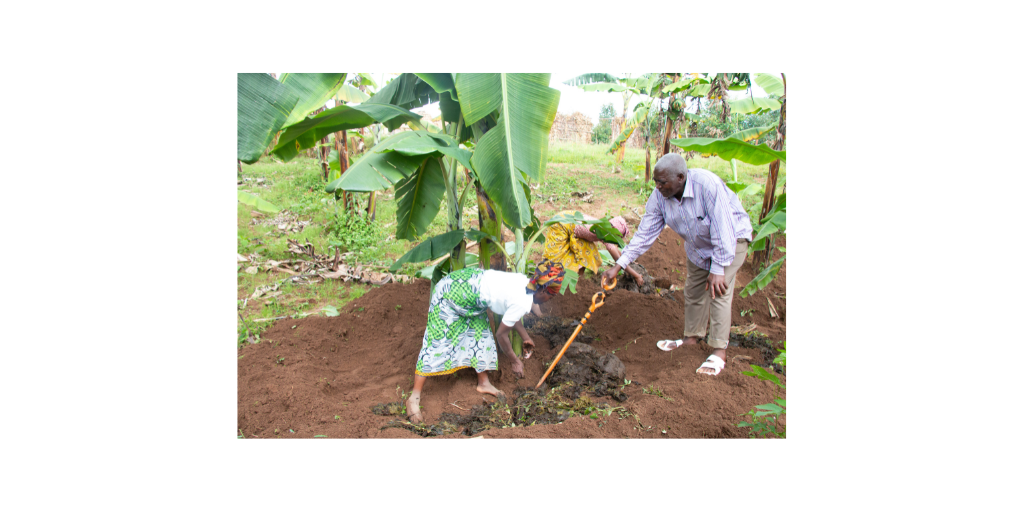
761,257
517,341
647,166
490,256
620,155
341,147
371,206
670,127
322,152
458,255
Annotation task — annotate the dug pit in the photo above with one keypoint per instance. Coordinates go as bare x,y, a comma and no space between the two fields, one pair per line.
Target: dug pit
581,370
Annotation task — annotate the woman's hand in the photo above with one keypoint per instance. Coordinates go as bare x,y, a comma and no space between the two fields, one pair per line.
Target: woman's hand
517,367
527,348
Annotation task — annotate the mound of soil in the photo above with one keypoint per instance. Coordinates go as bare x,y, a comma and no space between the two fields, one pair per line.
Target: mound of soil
322,376
626,281
557,330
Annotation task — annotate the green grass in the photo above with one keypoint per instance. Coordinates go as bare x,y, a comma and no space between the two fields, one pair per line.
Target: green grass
298,187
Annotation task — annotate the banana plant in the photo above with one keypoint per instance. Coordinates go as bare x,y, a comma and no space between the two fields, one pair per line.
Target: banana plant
738,147
656,87
496,127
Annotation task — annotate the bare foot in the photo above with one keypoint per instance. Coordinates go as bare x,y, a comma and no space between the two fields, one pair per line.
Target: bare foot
489,389
412,406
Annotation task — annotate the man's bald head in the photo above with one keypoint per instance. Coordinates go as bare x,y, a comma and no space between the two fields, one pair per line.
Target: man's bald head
671,164
670,175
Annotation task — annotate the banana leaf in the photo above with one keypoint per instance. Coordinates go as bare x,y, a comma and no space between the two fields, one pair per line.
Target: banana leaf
766,276
754,105
379,169
606,232
770,83
433,142
407,91
699,91
515,150
569,281
429,249
350,94
589,78
678,86
603,87
305,134
742,189
314,89
439,82
728,149
752,133
639,116
258,203
419,199
365,79
638,83
263,107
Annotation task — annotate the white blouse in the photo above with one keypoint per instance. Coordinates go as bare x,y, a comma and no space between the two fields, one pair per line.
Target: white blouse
505,295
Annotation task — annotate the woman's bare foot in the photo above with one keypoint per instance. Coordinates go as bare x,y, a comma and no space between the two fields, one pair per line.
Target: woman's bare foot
488,388
412,406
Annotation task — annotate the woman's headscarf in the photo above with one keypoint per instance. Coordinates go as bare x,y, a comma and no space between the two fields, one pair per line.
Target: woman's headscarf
620,224
548,276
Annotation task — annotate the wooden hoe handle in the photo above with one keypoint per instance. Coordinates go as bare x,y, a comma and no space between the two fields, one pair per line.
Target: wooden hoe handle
594,304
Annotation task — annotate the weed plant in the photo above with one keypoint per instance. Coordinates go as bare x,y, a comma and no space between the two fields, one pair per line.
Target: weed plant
764,418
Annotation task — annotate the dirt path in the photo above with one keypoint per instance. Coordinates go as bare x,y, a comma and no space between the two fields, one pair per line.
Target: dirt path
321,376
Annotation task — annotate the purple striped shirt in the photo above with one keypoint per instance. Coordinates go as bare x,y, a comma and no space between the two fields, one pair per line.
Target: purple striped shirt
709,218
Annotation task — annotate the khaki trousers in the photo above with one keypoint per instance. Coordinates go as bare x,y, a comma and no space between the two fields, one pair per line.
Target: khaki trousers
699,305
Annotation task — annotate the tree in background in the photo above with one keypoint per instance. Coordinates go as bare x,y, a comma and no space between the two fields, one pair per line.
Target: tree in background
603,131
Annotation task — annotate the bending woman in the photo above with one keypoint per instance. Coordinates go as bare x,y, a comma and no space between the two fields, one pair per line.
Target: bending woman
458,334
576,247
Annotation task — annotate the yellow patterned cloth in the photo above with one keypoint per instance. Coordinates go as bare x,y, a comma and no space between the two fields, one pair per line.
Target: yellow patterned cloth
563,246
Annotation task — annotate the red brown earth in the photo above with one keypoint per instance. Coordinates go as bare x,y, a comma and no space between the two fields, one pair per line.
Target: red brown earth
320,376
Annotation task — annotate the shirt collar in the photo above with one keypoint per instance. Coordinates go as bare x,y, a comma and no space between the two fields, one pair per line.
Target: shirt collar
688,187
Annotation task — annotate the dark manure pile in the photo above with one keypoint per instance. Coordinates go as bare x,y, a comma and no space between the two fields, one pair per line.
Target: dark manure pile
626,281
587,369
557,330
581,370
758,341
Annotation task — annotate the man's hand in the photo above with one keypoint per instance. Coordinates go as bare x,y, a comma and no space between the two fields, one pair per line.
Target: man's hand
517,367
527,348
611,273
717,285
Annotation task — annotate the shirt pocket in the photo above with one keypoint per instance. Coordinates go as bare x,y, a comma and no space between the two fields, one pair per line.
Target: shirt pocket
704,227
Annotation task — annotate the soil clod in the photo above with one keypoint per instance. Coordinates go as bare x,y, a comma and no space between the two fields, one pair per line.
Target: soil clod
626,281
389,409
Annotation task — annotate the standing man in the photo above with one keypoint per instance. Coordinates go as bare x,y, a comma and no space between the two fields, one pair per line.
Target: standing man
696,204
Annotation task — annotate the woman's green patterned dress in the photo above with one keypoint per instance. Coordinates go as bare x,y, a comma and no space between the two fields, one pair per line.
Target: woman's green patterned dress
458,334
